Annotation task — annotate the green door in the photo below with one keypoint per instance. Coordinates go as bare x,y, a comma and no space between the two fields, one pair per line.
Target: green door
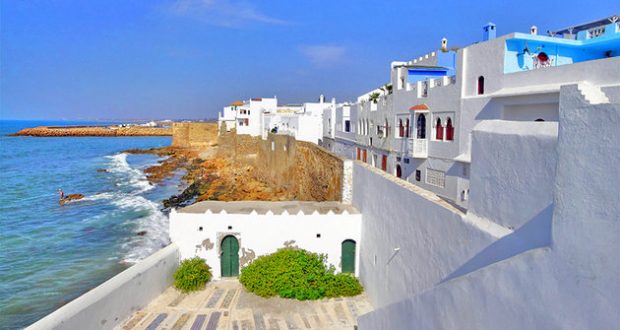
230,257
348,256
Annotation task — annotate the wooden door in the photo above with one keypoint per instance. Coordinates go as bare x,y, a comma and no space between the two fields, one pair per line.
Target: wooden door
348,256
230,257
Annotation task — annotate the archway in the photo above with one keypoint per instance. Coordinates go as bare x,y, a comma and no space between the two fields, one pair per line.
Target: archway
348,256
229,257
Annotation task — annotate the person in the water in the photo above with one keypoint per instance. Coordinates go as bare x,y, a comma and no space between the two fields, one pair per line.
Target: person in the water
61,193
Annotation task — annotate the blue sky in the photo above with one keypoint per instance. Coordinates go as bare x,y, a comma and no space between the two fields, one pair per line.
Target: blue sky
186,59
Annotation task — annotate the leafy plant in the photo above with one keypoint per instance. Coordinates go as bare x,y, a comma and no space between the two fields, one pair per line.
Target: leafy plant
298,274
343,284
192,275
373,97
387,88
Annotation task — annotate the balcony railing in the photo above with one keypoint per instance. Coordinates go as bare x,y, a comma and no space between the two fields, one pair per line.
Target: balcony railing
418,148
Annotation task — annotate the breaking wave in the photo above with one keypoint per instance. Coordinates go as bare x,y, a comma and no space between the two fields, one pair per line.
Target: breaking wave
142,215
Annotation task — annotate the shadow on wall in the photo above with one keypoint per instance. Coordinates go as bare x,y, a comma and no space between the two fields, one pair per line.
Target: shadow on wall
534,234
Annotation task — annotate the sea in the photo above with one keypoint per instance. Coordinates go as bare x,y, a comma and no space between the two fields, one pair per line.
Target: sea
51,254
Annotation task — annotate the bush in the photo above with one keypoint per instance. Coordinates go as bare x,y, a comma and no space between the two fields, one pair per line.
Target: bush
296,273
192,275
343,284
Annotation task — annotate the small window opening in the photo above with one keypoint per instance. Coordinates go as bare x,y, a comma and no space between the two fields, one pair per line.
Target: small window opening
418,175
449,130
480,85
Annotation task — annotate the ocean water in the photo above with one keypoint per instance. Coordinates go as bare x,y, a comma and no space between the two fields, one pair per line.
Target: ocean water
50,254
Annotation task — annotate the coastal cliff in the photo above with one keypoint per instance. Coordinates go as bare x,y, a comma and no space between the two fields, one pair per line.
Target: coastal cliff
111,131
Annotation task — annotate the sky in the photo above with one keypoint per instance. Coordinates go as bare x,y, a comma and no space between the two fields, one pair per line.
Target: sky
186,59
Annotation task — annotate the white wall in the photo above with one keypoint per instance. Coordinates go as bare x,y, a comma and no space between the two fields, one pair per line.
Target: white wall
261,234
433,238
512,171
569,283
111,303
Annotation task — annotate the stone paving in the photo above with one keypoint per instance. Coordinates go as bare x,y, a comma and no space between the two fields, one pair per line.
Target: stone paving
226,305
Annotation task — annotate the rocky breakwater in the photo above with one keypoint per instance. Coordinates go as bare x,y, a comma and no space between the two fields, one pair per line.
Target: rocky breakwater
111,131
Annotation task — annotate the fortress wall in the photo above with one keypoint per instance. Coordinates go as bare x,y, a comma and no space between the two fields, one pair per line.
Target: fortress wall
308,170
193,135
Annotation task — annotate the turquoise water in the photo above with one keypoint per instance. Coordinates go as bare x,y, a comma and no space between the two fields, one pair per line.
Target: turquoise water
50,254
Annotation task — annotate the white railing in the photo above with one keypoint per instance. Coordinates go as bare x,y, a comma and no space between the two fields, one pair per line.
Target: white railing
418,148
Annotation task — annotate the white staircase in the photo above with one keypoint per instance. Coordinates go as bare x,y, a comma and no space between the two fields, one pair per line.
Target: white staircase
592,94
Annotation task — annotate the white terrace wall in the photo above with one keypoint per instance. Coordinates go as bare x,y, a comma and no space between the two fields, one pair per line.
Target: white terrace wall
512,171
570,284
110,304
260,234
412,238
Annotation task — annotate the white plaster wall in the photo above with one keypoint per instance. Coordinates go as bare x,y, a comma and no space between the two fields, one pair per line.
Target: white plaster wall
432,238
112,302
571,283
263,234
512,171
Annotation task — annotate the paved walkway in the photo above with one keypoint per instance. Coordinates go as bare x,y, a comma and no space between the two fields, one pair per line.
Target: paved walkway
226,305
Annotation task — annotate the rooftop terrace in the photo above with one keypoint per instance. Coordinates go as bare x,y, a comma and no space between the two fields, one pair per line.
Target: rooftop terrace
263,207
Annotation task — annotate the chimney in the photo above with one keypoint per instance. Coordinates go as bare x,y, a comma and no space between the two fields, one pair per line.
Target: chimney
534,30
322,98
488,32
444,45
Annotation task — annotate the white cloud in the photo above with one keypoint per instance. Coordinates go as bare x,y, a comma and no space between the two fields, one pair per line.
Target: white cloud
225,13
323,55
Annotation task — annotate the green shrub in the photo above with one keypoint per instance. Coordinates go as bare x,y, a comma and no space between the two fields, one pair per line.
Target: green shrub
343,284
192,275
298,274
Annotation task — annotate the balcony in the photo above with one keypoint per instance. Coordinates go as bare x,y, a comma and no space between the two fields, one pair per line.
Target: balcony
418,148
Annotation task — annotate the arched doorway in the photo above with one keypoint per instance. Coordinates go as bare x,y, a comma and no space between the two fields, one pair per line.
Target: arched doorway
229,257
399,171
348,256
421,127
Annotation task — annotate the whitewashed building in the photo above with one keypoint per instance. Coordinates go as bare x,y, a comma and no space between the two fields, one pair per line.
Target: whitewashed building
261,116
418,126
247,116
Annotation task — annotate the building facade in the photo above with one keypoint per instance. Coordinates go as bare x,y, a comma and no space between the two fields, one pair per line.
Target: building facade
418,126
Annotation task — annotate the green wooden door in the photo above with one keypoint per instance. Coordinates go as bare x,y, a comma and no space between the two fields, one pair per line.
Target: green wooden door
230,257
348,256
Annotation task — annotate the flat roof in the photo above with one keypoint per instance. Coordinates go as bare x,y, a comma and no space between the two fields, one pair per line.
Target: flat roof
262,207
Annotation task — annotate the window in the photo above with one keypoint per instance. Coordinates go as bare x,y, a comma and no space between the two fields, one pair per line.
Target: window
449,130
418,175
407,127
435,178
439,130
347,126
480,85
401,128
387,128
421,127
